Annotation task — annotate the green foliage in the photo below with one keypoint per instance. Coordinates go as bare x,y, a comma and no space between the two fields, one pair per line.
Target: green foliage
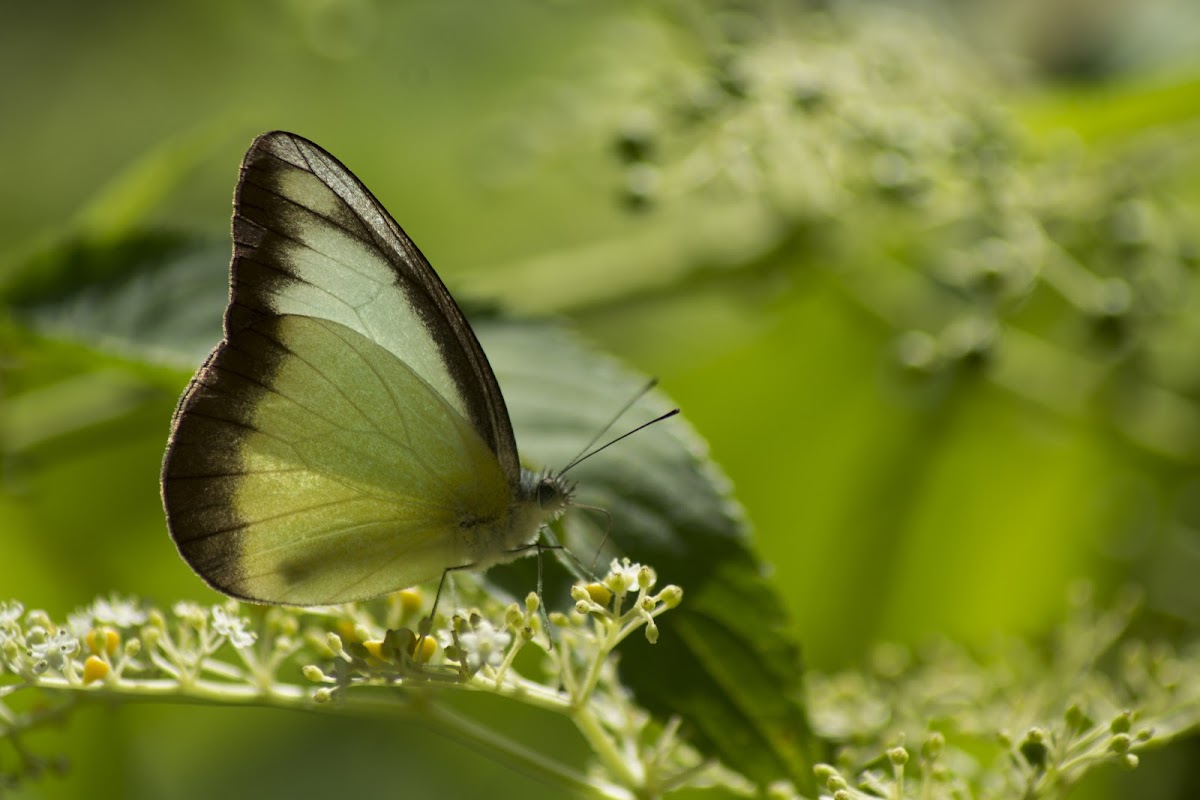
1019,720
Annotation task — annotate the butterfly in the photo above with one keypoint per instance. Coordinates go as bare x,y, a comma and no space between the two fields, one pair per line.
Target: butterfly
347,437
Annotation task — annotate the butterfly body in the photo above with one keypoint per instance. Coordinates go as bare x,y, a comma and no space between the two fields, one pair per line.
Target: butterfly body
347,438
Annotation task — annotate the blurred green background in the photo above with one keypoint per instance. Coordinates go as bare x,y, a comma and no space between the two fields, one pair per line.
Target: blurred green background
924,276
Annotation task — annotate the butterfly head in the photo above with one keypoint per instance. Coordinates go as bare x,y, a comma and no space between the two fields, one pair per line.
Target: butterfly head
553,494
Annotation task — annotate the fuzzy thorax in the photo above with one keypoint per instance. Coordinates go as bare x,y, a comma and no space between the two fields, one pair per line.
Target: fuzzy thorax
539,500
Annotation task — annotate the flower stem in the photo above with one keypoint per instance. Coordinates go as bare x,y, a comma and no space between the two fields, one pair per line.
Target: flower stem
605,749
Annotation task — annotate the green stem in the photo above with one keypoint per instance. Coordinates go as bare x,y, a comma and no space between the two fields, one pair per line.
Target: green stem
604,748
280,694
612,635
526,691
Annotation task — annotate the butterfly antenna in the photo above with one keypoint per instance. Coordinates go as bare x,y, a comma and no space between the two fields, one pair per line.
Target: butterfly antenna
542,598
586,455
629,404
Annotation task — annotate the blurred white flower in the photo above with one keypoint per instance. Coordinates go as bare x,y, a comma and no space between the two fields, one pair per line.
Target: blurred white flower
483,645
80,622
10,612
231,627
117,612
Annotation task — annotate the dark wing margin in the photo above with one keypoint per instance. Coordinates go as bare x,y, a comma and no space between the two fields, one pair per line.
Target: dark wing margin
269,226
203,466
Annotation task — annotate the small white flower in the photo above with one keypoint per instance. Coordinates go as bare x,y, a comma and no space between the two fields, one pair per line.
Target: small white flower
231,627
10,612
622,575
190,611
117,612
80,622
54,649
484,645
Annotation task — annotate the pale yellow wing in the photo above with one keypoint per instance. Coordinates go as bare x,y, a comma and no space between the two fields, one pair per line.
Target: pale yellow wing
309,239
308,465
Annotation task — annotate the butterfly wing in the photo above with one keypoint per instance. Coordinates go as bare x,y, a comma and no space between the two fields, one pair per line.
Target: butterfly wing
310,239
334,443
311,466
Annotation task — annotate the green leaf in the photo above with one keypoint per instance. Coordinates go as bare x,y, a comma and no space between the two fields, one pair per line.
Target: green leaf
108,230
724,662
1106,112
146,294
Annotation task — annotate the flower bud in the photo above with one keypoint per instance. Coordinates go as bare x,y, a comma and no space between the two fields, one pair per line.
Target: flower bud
334,643
423,649
411,601
671,596
599,594
95,669
646,578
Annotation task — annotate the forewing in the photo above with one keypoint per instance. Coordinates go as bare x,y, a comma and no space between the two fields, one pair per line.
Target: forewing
308,465
311,240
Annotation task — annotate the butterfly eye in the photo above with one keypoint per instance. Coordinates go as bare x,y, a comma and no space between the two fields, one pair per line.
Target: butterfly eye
548,493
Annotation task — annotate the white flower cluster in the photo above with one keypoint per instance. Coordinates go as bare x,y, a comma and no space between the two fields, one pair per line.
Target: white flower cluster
212,654
483,644
89,646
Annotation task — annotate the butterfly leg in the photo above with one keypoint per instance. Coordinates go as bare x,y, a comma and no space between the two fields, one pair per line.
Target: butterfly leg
576,567
425,627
